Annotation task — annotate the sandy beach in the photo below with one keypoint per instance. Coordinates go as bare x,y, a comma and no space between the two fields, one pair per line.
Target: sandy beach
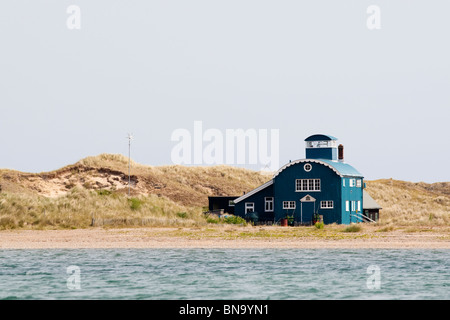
224,237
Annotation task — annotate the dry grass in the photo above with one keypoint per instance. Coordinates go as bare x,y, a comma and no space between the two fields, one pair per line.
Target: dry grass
409,204
96,187
77,209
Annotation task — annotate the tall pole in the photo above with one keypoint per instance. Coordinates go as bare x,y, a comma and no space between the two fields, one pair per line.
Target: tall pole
130,137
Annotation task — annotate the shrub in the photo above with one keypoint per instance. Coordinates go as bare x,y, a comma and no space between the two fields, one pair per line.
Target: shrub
319,225
7,223
234,220
353,228
135,203
182,215
104,192
212,220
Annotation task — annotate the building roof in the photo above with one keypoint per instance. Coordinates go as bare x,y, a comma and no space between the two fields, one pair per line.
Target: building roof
342,169
320,137
369,202
248,194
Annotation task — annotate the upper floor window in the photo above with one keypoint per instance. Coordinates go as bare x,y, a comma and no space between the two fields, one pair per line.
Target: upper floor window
307,167
358,183
352,182
307,185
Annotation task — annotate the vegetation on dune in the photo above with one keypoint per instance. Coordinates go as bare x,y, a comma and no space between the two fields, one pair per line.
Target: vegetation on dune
94,190
81,208
407,203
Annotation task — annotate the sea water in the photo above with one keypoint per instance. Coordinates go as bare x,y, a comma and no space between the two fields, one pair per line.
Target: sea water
224,274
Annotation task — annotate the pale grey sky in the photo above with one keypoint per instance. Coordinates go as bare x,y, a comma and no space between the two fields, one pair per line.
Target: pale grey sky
302,67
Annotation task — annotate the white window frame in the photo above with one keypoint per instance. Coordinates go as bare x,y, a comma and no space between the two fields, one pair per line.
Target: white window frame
327,204
352,182
231,203
347,205
359,206
289,204
343,182
311,185
358,183
321,144
353,205
307,165
268,201
249,205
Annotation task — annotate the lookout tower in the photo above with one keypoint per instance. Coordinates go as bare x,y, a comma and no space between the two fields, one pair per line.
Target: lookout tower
320,146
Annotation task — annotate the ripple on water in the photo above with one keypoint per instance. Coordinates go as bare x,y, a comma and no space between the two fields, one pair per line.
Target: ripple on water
224,274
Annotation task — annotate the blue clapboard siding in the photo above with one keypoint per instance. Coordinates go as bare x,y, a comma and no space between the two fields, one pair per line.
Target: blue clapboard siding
285,190
259,200
335,186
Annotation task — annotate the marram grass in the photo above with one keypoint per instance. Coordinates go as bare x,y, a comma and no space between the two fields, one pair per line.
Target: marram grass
80,208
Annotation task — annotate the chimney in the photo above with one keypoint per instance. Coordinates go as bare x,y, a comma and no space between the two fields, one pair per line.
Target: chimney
341,153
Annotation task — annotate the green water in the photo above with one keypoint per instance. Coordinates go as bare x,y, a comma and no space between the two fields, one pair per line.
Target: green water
224,274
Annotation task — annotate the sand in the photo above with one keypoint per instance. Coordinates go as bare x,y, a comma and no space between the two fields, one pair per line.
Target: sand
214,238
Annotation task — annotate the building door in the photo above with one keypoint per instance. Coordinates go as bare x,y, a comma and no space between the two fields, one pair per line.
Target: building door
307,209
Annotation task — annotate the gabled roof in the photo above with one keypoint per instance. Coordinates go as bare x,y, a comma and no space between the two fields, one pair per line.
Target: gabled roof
342,169
369,202
248,194
320,137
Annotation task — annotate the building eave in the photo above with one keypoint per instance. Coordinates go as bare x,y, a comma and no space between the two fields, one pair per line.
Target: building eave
258,189
323,162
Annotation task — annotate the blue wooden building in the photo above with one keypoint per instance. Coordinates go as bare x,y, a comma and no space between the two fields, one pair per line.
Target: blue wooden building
320,185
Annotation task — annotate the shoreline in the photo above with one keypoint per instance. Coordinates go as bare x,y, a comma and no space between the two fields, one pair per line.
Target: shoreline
227,237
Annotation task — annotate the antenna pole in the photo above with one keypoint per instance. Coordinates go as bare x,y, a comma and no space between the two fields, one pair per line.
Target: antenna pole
130,137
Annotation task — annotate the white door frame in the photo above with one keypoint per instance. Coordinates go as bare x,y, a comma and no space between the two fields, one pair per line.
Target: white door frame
306,198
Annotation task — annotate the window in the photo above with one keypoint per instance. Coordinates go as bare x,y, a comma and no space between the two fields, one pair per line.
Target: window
347,205
343,182
307,185
288,204
358,183
249,207
321,144
328,204
353,205
352,182
307,167
268,205
230,203
359,206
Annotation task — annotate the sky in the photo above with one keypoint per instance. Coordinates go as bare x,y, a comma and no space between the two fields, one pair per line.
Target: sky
154,67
